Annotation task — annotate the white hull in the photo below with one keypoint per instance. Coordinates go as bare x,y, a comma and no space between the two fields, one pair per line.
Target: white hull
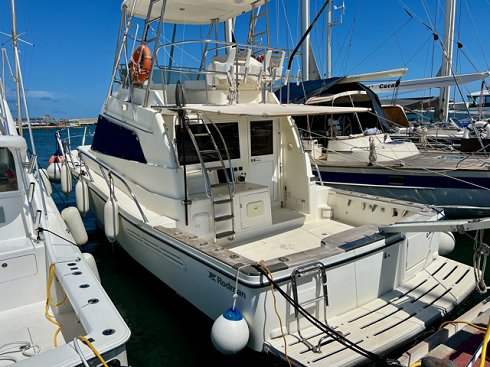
208,284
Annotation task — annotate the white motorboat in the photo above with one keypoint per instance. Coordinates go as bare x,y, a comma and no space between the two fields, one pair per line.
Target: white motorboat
53,308
199,173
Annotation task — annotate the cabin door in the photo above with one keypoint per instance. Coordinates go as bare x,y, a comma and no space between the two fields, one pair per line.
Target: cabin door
263,164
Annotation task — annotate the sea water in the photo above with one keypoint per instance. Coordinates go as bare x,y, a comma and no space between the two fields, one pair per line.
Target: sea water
166,330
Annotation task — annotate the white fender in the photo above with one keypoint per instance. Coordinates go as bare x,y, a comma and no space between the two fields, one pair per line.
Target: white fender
81,196
230,332
66,180
91,262
447,241
74,222
111,220
46,182
54,172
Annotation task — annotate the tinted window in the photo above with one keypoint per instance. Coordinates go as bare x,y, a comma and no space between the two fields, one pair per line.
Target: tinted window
229,130
117,141
261,138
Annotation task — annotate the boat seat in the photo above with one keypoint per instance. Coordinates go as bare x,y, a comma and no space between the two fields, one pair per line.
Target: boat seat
273,64
222,69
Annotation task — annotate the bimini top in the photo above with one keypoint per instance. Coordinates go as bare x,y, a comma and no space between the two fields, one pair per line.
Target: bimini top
192,11
271,110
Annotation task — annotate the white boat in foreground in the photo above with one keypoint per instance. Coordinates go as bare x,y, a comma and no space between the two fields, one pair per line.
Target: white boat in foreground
53,309
200,175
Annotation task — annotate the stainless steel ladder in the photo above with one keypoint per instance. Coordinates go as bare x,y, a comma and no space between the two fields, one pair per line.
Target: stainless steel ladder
218,205
254,35
314,269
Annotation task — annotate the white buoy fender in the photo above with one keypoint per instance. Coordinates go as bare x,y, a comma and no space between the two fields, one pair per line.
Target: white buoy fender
54,172
230,333
91,262
81,196
74,222
46,182
66,180
111,220
446,243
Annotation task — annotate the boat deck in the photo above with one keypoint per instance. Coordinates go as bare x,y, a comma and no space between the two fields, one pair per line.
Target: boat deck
385,322
425,160
27,324
288,237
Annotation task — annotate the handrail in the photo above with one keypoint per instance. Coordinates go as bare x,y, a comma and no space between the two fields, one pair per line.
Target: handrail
118,176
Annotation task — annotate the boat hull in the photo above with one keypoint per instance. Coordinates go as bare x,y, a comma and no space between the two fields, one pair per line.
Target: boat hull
209,284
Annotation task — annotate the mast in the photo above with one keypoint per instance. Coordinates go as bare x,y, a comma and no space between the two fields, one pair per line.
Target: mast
329,41
15,44
305,47
447,59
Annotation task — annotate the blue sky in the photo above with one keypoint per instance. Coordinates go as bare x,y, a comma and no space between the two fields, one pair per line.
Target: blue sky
67,71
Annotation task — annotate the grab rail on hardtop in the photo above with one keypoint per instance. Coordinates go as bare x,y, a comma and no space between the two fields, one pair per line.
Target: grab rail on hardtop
104,168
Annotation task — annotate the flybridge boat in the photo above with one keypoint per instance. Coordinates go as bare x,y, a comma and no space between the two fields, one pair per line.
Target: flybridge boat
199,173
53,309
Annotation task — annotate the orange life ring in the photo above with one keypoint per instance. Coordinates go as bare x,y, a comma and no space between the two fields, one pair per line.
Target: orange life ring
140,64
260,58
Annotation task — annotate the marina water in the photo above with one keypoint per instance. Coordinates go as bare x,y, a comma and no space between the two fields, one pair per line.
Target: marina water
166,329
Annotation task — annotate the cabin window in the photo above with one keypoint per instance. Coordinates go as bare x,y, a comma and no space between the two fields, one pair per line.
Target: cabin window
261,138
8,175
229,130
117,141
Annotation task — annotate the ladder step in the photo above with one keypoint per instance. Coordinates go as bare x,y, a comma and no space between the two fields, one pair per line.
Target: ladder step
221,184
223,218
225,234
207,151
260,34
223,201
202,134
216,168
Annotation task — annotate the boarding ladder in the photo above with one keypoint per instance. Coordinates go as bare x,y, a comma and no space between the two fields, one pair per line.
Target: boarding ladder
314,270
205,144
255,35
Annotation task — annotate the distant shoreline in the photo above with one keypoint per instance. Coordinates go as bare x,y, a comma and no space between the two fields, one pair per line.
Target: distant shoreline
61,126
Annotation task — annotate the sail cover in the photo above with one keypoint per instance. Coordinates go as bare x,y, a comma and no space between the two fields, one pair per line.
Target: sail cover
192,11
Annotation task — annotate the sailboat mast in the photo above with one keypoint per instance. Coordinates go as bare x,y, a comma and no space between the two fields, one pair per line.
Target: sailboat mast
329,40
305,47
15,44
447,58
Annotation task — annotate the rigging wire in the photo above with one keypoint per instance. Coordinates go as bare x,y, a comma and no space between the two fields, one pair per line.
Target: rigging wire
381,44
477,34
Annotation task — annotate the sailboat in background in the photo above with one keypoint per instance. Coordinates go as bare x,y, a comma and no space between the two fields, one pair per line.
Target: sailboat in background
355,151
53,309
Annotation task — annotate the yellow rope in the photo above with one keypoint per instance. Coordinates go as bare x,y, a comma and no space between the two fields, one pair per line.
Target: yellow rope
416,364
91,346
462,322
50,302
262,265
483,356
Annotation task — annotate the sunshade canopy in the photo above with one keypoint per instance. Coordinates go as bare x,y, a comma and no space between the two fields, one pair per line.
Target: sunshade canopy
192,11
272,110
